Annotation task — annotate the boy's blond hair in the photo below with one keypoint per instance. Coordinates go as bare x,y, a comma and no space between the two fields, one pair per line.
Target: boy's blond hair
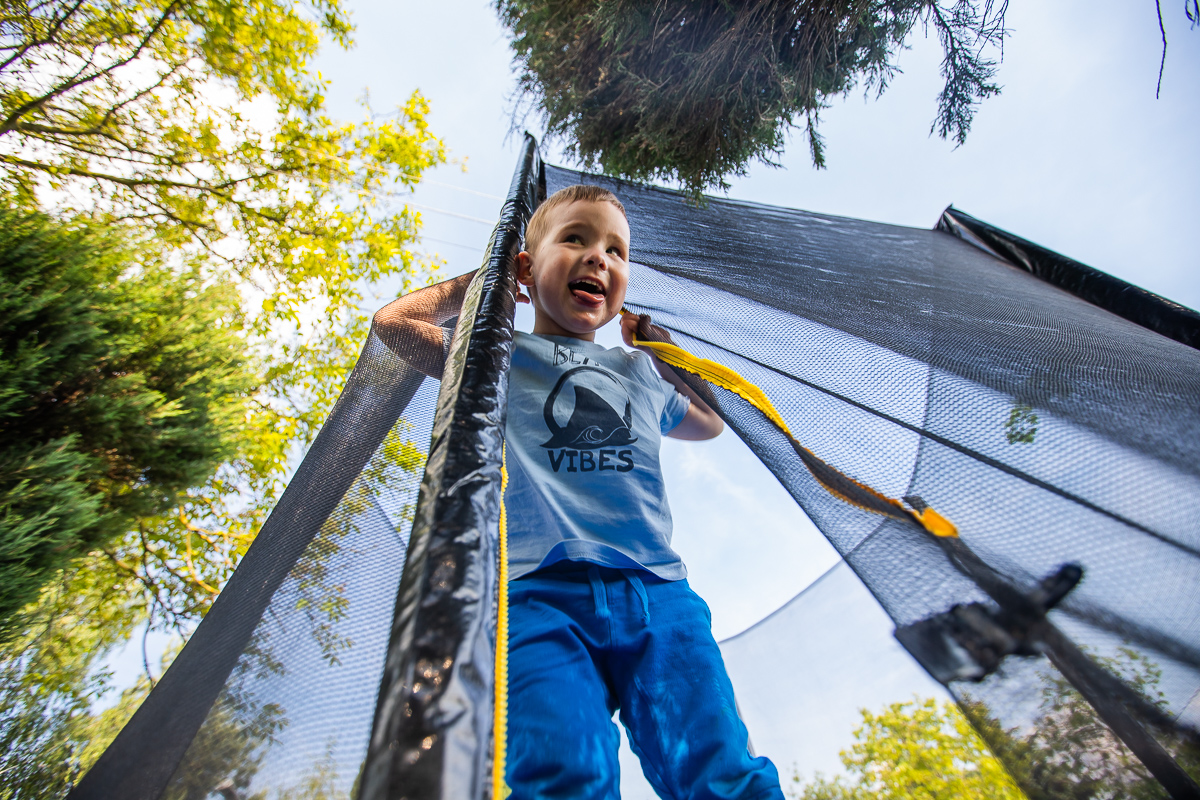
536,228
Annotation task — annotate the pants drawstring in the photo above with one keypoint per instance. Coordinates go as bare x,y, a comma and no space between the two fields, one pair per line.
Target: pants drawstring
601,599
640,588
598,592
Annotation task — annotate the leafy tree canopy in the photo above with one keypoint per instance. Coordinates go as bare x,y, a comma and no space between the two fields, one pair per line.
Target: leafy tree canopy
208,238
197,127
49,682
919,750
923,750
200,119
1069,752
695,90
50,730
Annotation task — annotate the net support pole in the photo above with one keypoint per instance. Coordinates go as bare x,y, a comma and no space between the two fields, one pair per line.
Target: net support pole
431,736
145,754
1107,695
1097,687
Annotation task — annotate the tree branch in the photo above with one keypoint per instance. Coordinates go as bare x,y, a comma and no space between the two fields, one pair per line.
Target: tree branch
218,189
76,82
162,79
1163,61
123,152
145,655
54,29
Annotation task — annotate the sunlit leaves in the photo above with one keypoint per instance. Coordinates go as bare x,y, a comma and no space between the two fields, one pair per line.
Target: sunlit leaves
926,750
918,750
199,122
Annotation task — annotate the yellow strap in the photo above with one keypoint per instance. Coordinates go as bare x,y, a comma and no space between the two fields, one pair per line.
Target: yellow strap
837,483
500,788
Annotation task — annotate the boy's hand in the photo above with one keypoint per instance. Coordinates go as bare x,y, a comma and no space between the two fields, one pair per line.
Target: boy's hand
641,325
700,422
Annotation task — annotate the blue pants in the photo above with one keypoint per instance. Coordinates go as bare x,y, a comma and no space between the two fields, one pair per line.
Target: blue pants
587,640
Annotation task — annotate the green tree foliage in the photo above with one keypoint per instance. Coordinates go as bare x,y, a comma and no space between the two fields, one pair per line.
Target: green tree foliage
121,389
919,750
48,683
198,127
929,751
124,385
199,118
694,90
195,132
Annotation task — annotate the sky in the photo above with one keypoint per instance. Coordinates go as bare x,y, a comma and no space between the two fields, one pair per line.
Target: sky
1076,154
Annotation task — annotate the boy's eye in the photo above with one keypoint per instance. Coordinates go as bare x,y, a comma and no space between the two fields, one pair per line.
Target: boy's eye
574,238
616,251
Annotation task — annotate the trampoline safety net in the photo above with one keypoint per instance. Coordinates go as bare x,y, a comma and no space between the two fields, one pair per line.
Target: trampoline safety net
1050,412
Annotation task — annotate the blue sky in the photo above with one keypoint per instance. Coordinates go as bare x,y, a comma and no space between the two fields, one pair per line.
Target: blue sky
1075,154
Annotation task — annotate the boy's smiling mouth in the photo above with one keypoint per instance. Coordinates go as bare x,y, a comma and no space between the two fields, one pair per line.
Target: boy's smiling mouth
587,291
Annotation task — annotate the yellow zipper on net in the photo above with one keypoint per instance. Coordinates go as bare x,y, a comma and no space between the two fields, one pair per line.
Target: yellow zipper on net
500,789
834,481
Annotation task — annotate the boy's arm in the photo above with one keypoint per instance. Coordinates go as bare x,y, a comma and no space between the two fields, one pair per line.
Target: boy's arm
412,325
700,422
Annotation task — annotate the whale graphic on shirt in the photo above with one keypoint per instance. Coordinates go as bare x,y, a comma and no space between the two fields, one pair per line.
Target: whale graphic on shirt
594,422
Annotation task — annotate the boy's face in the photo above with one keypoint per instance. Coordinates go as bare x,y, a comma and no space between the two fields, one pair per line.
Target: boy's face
578,272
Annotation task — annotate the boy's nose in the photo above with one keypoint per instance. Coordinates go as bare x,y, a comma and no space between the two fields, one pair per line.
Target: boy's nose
595,256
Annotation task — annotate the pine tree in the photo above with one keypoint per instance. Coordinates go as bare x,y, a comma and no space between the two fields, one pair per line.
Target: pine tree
695,90
123,385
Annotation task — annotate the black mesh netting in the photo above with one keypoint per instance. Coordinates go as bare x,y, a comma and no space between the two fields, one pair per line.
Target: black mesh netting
1061,439
273,696
1049,430
295,715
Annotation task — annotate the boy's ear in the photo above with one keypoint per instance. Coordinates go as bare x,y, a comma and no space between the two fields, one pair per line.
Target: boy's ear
524,269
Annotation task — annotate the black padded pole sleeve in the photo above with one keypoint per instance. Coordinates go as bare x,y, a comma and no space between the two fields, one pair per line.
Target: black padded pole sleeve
432,733
140,761
1098,288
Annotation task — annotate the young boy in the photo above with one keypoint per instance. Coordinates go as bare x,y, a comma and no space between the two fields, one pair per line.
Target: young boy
601,616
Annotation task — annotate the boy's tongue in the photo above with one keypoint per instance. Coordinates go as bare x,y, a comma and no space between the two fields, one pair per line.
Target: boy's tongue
586,297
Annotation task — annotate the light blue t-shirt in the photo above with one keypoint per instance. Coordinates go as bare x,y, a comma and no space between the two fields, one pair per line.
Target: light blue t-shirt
583,434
